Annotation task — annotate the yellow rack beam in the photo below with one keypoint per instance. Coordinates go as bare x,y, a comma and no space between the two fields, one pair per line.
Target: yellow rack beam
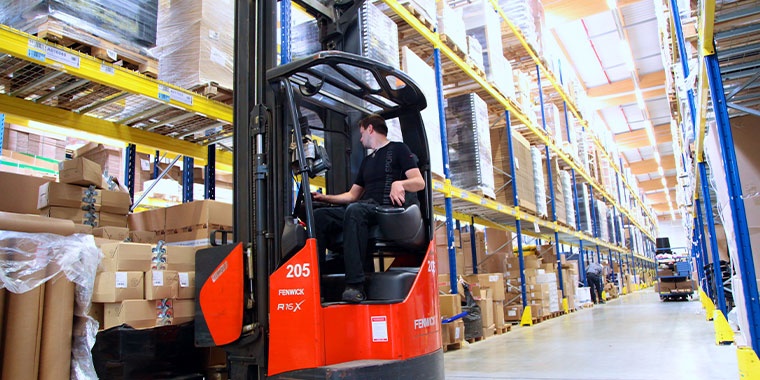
435,40
573,109
33,49
146,142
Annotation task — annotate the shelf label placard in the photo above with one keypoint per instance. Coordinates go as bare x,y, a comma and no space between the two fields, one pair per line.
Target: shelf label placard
167,93
61,56
36,50
107,69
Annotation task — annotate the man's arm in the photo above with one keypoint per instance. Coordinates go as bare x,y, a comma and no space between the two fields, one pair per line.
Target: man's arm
352,195
413,183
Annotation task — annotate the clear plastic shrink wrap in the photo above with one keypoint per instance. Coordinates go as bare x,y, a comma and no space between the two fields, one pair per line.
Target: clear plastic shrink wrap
123,22
538,181
29,260
196,42
567,194
468,135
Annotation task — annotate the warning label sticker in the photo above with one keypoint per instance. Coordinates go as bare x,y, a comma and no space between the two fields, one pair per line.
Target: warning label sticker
379,328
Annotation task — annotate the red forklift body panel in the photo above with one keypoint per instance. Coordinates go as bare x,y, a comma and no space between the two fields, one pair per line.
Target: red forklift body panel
396,331
221,298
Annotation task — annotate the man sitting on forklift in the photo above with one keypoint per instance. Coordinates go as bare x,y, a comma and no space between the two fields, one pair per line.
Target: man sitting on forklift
385,177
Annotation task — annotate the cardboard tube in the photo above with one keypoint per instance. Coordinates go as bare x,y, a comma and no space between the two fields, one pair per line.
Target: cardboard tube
57,322
32,223
22,333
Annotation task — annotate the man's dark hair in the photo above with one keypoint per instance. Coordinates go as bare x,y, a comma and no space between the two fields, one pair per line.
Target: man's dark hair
377,122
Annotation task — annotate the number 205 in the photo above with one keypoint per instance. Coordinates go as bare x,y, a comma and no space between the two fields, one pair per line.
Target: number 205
298,270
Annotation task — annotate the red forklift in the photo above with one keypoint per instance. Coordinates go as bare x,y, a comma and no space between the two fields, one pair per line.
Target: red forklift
266,298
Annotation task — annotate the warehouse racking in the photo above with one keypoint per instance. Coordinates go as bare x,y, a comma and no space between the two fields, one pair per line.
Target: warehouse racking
725,88
181,113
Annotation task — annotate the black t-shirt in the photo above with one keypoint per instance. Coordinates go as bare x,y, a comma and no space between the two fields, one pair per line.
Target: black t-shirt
381,168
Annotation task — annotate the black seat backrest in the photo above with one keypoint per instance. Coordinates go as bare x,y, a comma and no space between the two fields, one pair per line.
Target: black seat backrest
400,227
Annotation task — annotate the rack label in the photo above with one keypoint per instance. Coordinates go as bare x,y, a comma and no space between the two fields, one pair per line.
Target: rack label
62,57
36,50
107,69
167,93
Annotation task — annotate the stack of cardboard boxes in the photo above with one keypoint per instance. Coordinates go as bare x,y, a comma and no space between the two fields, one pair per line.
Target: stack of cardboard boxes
502,169
488,290
452,332
144,285
188,224
81,196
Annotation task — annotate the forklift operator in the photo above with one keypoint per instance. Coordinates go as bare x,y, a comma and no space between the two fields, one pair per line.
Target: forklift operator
385,177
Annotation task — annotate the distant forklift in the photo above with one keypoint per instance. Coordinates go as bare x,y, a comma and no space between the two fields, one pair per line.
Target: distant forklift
674,279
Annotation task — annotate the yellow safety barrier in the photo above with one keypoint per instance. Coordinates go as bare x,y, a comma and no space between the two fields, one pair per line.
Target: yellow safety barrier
723,332
527,317
707,304
565,307
749,365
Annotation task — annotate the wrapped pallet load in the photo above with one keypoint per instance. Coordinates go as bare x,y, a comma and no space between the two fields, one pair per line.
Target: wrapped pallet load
567,194
467,131
126,23
538,181
584,211
523,164
195,42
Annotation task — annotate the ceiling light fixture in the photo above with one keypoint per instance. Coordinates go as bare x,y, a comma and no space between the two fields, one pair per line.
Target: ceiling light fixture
660,171
612,4
657,157
664,182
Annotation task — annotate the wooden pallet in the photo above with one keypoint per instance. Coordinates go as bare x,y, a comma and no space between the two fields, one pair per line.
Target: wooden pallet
79,40
503,329
473,340
214,91
452,346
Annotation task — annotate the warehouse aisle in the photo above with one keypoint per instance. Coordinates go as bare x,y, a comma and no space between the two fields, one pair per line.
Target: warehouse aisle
635,337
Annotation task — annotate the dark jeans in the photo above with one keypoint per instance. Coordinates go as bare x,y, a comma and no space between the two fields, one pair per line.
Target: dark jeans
595,283
354,221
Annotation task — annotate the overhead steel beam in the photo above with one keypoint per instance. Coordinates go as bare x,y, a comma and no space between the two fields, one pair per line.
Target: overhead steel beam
748,110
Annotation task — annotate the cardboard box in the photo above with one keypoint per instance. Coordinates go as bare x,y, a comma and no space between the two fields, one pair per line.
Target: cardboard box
513,313
139,314
80,171
199,213
107,219
186,288
456,330
82,229
20,194
111,233
145,237
118,286
181,259
498,313
65,195
126,257
196,238
492,281
76,215
160,284
184,311
97,313
486,311
150,220
450,305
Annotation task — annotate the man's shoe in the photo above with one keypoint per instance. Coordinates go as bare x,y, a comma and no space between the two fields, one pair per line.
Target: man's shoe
354,294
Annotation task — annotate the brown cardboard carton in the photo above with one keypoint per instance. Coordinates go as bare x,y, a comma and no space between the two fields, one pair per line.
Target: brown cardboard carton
80,171
23,328
107,219
199,213
115,202
498,313
150,220
181,259
486,311
126,257
139,314
82,229
111,233
450,305
444,283
96,312
146,237
456,331
20,192
186,288
446,334
65,195
118,286
493,281
513,312
160,284
184,311
195,238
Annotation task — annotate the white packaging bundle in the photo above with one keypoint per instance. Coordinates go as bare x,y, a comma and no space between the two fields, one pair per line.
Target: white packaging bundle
425,78
567,194
451,25
538,181
475,52
601,220
469,138
379,36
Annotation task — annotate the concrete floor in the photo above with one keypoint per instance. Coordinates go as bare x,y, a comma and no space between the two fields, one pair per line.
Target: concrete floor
635,337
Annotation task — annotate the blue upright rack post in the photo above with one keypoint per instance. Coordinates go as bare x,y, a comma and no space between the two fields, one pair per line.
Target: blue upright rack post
2,131
594,221
700,246
129,171
717,273
156,162
473,246
683,58
738,213
551,184
446,172
516,200
285,16
209,177
187,179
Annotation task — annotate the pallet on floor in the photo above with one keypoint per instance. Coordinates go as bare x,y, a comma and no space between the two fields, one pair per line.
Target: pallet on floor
477,339
503,329
452,346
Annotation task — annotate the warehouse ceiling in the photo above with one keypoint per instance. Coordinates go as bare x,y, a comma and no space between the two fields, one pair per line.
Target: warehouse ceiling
613,47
